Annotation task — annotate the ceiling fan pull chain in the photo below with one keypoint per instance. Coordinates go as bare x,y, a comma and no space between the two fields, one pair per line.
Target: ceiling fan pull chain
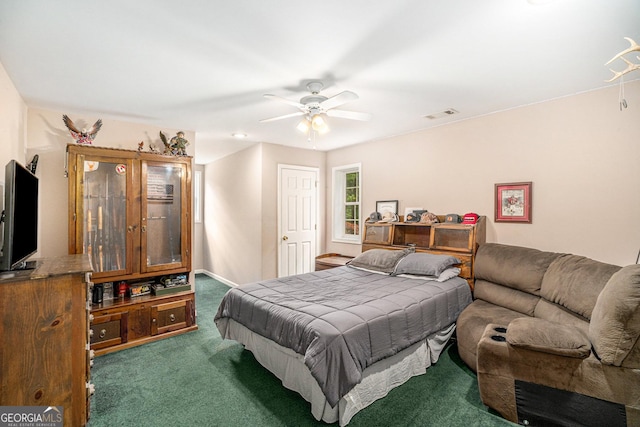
623,102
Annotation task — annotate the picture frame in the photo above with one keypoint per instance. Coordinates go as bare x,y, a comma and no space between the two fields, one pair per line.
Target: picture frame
513,202
387,206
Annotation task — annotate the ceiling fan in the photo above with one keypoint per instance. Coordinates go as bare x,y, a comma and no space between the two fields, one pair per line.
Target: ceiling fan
313,107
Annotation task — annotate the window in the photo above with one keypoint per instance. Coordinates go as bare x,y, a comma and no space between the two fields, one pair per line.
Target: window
346,204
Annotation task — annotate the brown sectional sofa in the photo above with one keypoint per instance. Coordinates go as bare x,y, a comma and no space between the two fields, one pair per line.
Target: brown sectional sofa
554,338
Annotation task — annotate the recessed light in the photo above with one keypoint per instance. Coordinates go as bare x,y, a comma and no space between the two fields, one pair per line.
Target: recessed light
239,135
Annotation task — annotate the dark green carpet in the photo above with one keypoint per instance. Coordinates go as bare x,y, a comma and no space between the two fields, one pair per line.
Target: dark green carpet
197,379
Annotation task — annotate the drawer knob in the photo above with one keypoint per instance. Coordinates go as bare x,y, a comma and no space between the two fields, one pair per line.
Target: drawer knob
103,333
172,317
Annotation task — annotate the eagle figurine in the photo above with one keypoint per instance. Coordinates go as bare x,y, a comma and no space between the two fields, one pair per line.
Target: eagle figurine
84,136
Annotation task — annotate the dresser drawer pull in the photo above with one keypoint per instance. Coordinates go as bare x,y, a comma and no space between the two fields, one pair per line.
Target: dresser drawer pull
103,333
172,317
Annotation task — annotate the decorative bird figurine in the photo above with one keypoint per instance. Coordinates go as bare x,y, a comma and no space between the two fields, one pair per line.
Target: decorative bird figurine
84,136
165,141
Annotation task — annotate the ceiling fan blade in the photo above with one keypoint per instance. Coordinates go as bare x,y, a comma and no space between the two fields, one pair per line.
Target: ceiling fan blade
354,115
285,100
286,116
339,99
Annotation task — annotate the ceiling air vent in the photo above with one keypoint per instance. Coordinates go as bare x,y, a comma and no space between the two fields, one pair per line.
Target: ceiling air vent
441,114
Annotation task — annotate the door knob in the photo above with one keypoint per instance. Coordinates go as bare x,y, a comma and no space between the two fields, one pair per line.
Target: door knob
285,238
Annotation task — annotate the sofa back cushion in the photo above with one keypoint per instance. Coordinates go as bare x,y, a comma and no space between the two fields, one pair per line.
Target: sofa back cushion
574,282
614,330
512,266
506,297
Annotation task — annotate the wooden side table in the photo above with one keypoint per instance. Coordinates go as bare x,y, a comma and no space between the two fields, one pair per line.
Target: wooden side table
331,260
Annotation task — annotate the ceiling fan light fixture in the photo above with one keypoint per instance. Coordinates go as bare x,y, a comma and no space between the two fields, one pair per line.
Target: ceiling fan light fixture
304,125
319,124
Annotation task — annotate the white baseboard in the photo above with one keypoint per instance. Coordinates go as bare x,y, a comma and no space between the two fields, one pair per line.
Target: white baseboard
218,278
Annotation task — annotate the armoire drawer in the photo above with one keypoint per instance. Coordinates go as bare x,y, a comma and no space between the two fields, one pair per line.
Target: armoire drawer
108,330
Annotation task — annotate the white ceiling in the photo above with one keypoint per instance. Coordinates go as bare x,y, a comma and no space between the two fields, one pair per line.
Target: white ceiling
205,65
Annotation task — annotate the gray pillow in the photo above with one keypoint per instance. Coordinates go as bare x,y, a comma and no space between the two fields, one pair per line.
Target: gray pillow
379,259
424,264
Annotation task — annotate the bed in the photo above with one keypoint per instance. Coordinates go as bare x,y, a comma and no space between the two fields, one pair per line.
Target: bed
343,337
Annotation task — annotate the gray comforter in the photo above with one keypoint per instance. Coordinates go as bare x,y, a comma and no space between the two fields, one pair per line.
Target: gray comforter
344,319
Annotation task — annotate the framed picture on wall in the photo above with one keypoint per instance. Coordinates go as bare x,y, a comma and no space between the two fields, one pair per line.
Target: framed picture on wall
513,202
387,206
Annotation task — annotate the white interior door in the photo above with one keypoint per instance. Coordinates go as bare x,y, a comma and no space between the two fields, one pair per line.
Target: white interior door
297,222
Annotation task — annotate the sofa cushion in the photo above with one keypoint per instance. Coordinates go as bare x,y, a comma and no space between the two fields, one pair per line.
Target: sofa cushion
575,282
548,337
556,313
513,266
615,322
471,325
503,296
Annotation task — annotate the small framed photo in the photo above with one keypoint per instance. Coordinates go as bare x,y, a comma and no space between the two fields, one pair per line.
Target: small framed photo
387,206
513,202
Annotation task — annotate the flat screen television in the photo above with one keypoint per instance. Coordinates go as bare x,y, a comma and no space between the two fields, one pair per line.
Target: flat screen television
20,217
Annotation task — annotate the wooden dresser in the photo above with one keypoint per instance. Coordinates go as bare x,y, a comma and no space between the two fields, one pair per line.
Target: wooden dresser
44,335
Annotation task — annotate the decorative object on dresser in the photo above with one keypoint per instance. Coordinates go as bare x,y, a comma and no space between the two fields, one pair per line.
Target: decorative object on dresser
513,202
130,212
456,239
44,334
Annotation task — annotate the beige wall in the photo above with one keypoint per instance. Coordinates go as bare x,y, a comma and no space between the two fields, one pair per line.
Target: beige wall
241,210
13,118
581,153
232,215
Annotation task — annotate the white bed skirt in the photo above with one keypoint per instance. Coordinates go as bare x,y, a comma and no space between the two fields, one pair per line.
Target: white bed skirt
377,380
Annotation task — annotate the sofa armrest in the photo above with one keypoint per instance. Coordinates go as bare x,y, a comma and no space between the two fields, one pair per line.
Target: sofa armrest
536,334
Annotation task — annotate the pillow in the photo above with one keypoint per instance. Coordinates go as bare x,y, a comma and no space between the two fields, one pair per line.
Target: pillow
424,264
379,259
444,276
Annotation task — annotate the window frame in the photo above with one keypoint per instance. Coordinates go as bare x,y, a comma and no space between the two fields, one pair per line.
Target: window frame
339,175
